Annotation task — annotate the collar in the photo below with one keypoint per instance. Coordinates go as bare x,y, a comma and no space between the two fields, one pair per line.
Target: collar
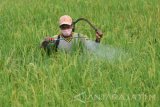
68,38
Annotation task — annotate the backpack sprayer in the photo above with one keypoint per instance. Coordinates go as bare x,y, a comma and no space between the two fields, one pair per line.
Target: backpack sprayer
56,42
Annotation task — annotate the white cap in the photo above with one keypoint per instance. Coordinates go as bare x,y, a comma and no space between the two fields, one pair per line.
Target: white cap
65,20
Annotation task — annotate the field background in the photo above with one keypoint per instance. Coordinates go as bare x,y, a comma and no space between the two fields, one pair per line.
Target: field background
28,79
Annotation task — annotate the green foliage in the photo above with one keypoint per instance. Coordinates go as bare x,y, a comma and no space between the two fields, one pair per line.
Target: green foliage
28,78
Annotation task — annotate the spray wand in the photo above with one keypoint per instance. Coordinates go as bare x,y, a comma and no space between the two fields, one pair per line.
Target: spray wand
98,31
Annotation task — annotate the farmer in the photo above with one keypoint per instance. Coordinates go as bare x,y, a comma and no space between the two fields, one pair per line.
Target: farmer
67,38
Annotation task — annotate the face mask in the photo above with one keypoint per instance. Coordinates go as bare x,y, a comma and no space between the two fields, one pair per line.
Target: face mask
66,32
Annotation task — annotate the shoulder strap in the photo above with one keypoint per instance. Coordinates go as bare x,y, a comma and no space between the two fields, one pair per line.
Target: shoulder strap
57,43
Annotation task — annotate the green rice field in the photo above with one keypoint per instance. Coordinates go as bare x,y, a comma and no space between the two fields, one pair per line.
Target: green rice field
30,79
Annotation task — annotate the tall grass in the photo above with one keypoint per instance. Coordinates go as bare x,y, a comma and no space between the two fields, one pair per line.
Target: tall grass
28,78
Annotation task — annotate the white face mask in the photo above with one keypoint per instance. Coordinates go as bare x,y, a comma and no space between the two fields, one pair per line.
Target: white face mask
66,32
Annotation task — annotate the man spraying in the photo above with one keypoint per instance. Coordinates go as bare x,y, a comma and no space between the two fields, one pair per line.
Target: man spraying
67,39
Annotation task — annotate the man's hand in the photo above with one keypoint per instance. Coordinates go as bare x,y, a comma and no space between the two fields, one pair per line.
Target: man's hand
99,35
46,41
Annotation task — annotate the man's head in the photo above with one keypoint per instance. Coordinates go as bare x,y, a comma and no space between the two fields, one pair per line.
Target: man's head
65,24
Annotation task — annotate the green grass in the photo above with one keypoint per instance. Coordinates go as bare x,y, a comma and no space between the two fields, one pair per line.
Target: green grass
28,79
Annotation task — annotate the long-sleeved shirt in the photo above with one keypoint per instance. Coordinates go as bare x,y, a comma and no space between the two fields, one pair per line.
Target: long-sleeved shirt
77,40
